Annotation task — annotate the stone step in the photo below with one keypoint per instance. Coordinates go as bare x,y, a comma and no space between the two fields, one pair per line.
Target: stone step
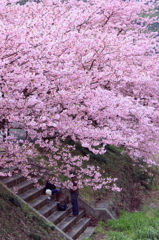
23,186
48,209
87,233
79,228
6,170
69,222
32,194
6,161
40,202
58,216
14,180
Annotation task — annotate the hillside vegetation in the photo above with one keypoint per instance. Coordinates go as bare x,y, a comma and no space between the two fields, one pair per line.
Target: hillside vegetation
135,179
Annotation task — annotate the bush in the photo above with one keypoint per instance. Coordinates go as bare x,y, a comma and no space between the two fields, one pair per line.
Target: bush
43,223
12,199
35,236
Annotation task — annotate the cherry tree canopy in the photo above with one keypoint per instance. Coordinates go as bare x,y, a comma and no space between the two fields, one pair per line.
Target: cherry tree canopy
87,71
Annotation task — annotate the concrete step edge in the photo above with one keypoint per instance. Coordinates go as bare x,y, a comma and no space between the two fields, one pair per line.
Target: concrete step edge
5,170
23,186
59,216
8,169
87,233
48,209
14,178
69,222
31,194
41,200
80,226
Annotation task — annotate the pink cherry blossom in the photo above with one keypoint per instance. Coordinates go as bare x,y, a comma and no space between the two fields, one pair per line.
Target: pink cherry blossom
77,71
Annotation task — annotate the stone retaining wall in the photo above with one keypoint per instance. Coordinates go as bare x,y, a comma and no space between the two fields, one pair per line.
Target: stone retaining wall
100,213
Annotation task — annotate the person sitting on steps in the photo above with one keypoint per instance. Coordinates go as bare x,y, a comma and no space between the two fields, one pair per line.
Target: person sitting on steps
53,189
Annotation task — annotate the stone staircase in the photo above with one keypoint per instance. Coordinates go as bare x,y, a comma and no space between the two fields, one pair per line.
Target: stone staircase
73,227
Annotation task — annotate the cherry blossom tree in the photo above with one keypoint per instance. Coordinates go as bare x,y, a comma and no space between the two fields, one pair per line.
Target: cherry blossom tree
84,71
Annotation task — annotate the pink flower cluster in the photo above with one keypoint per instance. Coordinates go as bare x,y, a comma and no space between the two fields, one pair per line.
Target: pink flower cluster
77,71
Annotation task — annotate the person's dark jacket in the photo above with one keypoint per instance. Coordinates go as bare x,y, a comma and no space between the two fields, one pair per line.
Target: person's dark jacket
74,181
49,186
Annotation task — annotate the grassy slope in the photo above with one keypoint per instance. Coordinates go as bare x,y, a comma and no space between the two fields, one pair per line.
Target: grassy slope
18,222
142,225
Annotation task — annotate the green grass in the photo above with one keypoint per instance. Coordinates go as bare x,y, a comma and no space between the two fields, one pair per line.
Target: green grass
142,225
